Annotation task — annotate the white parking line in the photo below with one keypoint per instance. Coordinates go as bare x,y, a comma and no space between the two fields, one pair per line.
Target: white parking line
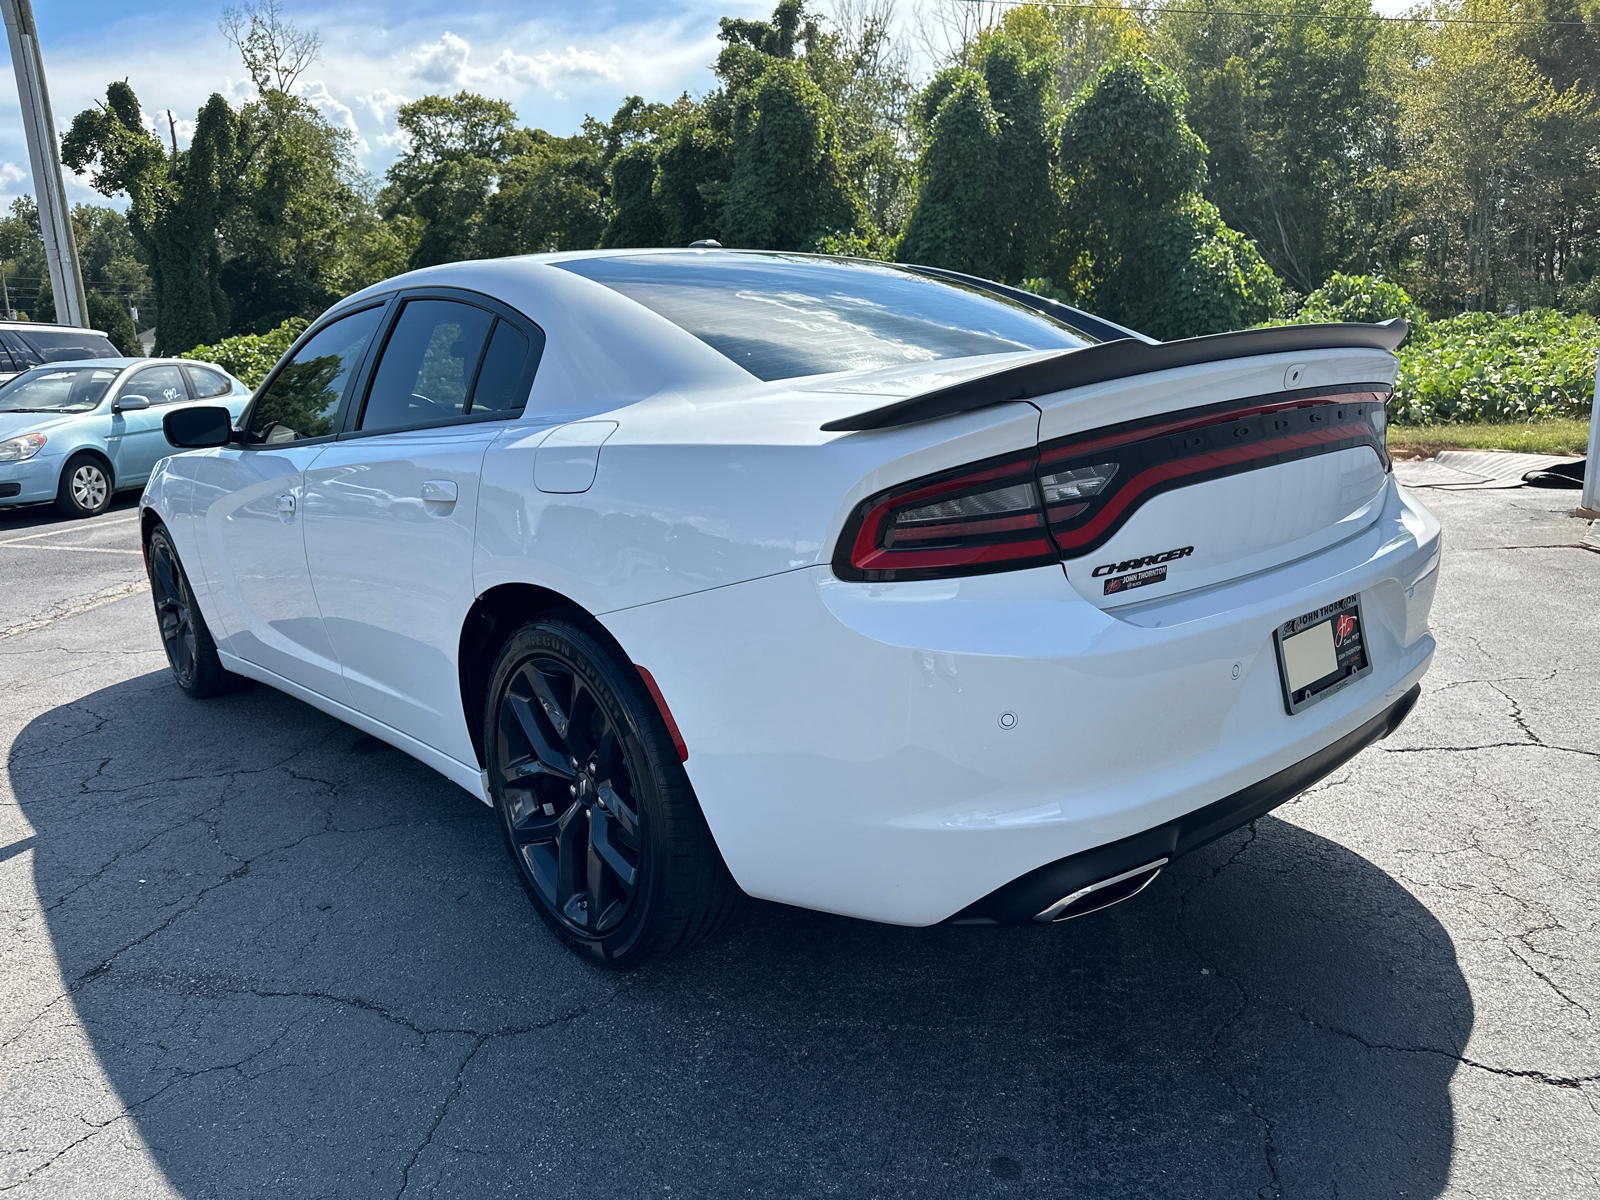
30,537
79,549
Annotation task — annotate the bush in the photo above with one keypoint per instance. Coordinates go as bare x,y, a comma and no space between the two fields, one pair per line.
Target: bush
1359,298
1485,367
250,356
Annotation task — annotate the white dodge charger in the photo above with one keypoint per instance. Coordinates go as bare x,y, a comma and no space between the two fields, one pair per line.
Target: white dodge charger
878,590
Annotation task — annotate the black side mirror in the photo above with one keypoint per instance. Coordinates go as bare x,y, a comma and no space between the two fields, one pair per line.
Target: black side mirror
129,403
198,428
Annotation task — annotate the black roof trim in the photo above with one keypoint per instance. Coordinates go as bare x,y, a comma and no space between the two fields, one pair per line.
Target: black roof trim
1119,360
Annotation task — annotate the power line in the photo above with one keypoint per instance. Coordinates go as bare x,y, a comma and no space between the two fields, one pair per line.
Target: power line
1415,19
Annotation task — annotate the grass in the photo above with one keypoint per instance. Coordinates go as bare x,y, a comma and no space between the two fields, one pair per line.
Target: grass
1558,435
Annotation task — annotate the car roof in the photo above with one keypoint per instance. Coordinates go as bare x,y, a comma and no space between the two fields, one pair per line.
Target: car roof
54,328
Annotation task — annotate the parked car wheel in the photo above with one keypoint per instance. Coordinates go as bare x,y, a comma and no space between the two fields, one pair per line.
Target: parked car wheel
191,653
85,489
597,812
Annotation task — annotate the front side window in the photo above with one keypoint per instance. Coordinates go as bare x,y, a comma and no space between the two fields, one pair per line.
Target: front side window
57,389
159,385
780,316
207,383
428,365
303,398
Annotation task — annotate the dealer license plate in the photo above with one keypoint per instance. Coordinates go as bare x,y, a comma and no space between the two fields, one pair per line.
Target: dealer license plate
1321,652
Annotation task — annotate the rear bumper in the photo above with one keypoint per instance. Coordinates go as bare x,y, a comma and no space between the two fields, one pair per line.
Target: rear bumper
899,752
1022,901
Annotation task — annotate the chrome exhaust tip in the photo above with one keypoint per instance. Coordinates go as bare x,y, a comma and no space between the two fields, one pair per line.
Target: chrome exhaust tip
1095,896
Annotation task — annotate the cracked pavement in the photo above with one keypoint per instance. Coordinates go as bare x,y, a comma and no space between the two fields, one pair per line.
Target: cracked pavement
246,950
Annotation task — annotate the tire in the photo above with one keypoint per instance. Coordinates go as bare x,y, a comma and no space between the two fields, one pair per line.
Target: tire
596,810
85,488
191,652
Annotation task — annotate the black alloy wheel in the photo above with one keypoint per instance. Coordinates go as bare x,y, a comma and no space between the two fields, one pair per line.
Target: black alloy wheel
191,653
597,812
85,488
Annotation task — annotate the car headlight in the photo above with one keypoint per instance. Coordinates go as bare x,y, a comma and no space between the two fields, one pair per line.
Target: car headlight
18,449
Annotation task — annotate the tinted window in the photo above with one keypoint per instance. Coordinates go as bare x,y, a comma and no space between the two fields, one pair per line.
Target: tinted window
159,385
304,395
56,389
501,372
206,382
780,316
64,345
427,365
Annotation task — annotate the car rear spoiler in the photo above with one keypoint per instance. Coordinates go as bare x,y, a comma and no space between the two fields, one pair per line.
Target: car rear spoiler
1118,360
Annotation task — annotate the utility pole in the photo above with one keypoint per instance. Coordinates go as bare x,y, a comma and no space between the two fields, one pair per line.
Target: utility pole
55,222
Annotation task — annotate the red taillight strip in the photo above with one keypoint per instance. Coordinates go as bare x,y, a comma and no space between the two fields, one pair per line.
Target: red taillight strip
955,556
866,545
1136,488
1220,417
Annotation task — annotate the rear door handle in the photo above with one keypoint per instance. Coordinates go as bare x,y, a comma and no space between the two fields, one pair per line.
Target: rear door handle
439,491
286,503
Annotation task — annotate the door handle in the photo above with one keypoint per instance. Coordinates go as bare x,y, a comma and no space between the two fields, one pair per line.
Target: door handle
286,504
439,491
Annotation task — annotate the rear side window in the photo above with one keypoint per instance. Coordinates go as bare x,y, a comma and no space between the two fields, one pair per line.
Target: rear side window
205,382
445,360
497,388
61,345
303,398
159,385
780,316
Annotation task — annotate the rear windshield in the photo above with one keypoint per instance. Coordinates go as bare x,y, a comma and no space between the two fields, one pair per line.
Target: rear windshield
57,389
60,345
780,316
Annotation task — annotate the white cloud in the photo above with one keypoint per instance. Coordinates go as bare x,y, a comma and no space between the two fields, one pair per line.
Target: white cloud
316,94
448,61
10,173
444,61
381,103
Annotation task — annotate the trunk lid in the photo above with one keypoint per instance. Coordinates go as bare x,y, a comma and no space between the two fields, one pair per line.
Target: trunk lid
1213,472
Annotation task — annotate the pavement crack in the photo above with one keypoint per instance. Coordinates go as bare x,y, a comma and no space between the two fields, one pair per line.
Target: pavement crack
1274,1188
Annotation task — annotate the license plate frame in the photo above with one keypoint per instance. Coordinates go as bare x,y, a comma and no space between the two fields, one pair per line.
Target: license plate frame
1346,637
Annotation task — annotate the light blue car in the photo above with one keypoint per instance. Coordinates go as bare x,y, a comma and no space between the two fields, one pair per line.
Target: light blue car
77,432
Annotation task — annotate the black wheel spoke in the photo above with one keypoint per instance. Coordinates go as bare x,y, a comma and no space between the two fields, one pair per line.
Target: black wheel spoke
540,686
572,838
600,830
546,759
566,790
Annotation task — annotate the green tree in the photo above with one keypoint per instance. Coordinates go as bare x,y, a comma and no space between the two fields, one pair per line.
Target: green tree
176,206
986,199
551,196
1140,244
788,188
950,223
1298,125
106,315
305,229
456,149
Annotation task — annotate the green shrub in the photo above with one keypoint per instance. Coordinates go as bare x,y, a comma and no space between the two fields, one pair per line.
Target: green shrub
250,356
1485,367
1359,298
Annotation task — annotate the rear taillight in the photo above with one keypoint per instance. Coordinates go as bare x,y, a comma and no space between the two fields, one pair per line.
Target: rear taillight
1071,495
987,517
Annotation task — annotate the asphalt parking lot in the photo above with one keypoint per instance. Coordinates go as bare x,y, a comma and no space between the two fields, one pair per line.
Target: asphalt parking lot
249,951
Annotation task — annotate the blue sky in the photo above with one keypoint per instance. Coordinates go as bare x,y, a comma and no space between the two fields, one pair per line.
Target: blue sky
553,61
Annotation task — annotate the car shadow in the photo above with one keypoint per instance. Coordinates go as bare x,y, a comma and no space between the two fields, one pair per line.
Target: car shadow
306,968
44,512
